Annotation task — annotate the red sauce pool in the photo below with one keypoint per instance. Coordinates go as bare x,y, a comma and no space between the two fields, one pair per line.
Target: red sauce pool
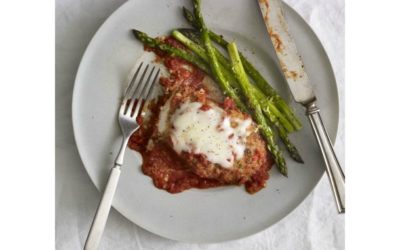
170,173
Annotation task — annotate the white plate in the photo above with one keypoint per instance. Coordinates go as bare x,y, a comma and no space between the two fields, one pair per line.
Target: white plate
210,215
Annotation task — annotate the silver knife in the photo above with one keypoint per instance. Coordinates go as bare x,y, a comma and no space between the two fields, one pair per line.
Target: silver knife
293,68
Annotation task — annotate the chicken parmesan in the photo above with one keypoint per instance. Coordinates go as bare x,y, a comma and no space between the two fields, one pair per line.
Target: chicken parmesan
193,137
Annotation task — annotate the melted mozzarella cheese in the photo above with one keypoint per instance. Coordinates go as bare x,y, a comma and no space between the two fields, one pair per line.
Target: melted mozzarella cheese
209,132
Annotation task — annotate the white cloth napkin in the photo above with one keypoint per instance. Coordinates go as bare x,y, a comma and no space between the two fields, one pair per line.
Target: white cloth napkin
313,225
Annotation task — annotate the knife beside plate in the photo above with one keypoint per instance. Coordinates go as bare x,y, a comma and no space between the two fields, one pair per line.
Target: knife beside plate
293,69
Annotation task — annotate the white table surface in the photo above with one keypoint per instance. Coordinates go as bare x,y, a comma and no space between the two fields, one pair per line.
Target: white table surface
315,224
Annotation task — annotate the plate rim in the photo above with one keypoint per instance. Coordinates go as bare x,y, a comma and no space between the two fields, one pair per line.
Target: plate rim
79,145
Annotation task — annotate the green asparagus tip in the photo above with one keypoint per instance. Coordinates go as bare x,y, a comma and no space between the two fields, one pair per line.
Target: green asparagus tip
283,170
297,158
137,33
185,10
187,14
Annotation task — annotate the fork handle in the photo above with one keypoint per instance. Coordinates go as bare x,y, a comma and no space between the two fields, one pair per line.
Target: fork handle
334,171
100,219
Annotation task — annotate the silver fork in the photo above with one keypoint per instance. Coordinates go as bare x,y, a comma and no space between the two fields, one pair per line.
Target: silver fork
135,97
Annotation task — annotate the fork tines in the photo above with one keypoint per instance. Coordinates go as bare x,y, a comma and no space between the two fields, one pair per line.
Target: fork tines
139,91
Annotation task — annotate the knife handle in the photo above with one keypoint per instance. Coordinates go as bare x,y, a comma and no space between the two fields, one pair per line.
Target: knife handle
333,169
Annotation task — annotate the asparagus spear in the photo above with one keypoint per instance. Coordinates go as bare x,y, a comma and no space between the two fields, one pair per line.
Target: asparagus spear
154,43
250,69
266,130
293,152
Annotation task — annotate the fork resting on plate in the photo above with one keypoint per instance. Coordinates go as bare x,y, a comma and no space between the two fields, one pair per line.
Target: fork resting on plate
134,100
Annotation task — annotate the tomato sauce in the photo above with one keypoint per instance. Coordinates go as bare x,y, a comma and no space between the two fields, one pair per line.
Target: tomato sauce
170,173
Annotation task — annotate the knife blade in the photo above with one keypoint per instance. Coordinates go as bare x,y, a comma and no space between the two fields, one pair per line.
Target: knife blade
294,71
289,59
